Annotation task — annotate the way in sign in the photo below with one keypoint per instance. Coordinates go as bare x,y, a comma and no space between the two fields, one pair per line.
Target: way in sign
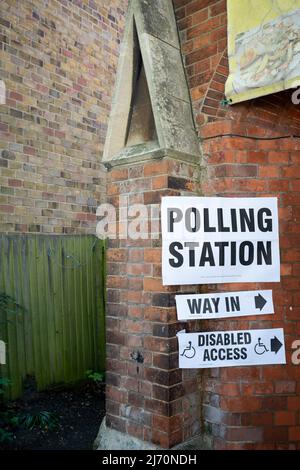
222,305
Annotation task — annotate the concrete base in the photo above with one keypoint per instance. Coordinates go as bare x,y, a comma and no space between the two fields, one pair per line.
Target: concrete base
110,439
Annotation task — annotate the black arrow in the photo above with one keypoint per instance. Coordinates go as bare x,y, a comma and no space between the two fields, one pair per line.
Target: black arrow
275,344
260,301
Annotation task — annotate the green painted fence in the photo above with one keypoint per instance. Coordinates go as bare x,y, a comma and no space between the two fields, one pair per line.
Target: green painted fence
51,308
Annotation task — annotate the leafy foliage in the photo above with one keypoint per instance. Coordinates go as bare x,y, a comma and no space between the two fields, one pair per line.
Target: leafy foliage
42,419
4,382
5,415
97,377
9,306
225,102
5,436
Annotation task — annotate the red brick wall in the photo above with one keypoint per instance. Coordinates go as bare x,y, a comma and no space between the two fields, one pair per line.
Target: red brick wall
253,407
58,61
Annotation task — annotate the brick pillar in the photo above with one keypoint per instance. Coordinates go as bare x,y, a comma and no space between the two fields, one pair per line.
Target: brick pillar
148,397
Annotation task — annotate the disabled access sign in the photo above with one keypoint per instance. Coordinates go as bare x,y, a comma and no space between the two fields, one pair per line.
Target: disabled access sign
231,348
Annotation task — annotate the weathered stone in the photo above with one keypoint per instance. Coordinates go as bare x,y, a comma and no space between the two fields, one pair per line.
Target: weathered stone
110,439
156,17
162,63
151,26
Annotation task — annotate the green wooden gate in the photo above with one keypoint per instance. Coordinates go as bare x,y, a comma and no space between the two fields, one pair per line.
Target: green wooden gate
52,292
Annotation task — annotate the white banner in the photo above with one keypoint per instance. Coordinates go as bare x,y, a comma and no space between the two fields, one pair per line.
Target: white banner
210,240
231,348
2,353
223,305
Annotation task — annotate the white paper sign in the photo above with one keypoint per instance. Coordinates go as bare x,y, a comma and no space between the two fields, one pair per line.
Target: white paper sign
210,240
222,305
231,348
2,352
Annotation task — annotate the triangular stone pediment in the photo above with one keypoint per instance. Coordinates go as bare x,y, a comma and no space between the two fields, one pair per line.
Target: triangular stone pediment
151,108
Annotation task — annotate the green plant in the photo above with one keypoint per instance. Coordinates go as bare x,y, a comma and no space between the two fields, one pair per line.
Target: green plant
5,436
4,382
5,414
42,419
225,102
97,377
9,306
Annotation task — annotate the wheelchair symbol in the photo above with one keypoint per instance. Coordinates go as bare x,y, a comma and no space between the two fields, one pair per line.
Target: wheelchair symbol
189,351
260,348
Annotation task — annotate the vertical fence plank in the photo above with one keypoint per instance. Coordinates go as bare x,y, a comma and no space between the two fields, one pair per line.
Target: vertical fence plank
66,301
84,306
47,287
54,256
100,295
19,316
79,278
91,313
33,307
25,301
12,345
4,370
